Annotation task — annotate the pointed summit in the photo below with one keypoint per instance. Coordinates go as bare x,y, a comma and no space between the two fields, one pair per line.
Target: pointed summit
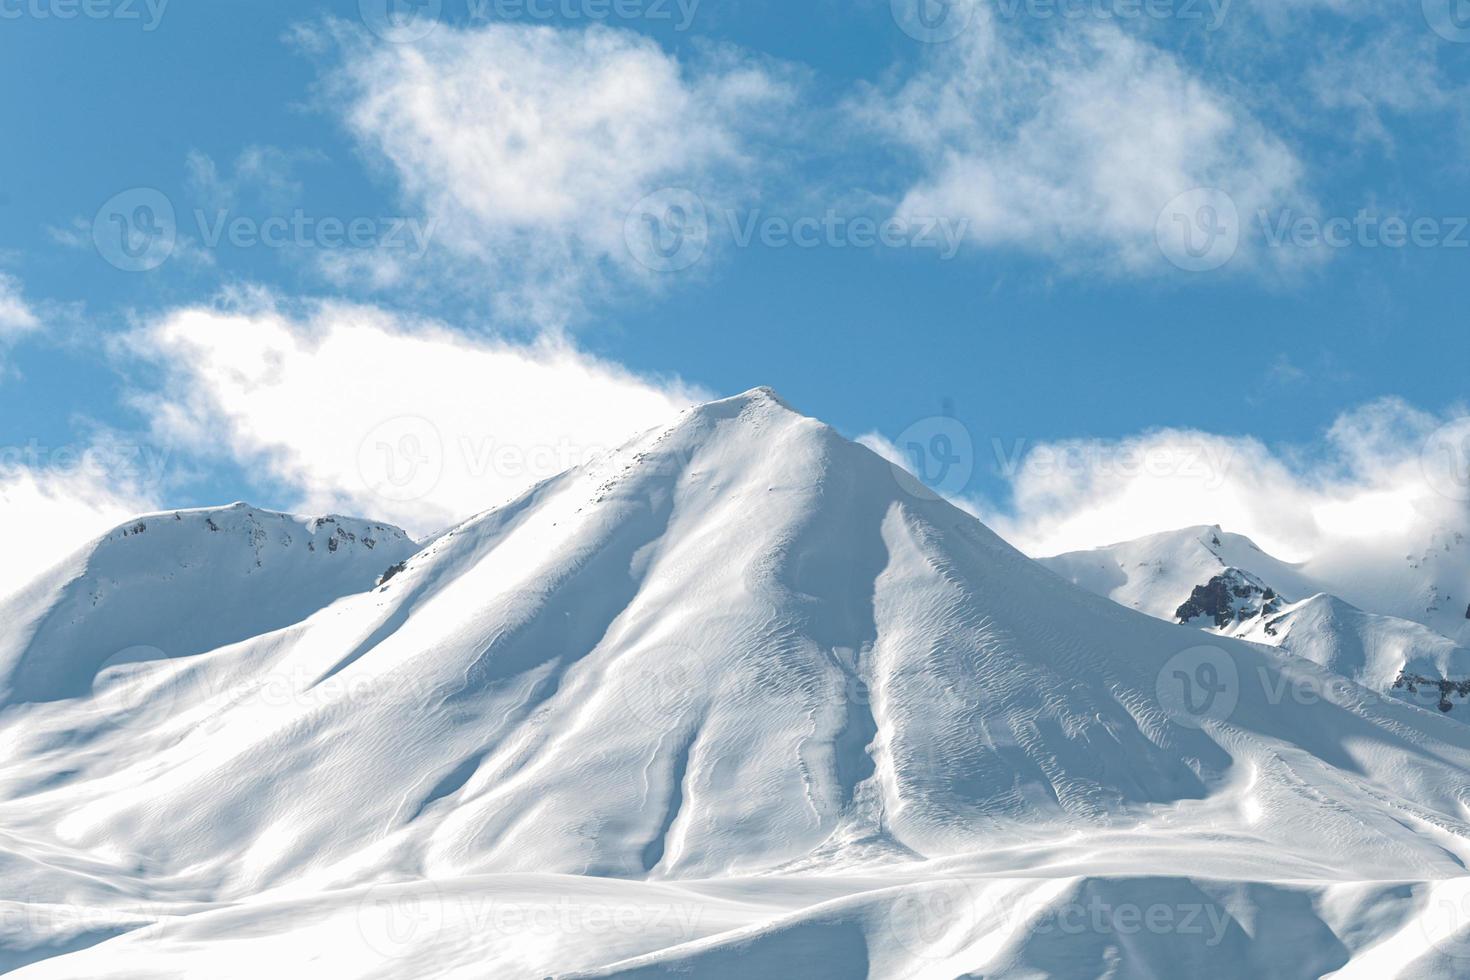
766,393
756,400
738,642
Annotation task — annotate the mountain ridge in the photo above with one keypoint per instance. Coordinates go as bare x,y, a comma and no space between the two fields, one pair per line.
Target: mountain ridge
740,666
1225,583
289,567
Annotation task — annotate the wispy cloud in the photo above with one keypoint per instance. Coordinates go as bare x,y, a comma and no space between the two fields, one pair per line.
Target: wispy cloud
528,147
1376,81
354,408
263,172
1073,144
16,315
1386,475
53,505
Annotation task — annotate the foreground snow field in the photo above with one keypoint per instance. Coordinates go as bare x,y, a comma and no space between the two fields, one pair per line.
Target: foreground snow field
740,698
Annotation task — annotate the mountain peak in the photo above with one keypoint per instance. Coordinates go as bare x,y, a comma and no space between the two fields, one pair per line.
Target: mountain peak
762,397
736,650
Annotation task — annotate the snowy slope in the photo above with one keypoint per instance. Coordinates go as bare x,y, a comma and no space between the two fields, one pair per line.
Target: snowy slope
738,696
1377,651
180,583
1430,585
1223,582
1157,574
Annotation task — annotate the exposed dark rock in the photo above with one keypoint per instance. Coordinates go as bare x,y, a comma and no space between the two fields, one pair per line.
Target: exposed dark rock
1230,597
1446,688
392,571
1212,600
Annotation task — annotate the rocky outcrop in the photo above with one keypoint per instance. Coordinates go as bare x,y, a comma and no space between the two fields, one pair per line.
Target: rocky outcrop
1229,598
1446,688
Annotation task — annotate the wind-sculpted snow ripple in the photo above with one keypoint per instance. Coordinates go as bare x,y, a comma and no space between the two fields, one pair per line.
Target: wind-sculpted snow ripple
735,668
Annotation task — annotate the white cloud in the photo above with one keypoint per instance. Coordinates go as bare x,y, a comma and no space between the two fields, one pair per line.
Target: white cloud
16,315
259,172
1390,74
527,147
46,513
1074,146
1376,479
361,411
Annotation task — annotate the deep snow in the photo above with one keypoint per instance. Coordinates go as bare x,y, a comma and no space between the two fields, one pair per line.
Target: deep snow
738,698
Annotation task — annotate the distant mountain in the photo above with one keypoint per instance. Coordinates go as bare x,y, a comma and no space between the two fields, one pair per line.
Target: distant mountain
180,583
738,698
1205,577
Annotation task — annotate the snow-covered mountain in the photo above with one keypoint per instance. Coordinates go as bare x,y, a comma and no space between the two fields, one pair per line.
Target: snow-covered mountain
738,698
181,583
1205,577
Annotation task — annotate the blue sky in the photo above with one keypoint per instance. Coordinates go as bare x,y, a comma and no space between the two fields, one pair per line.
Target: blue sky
1038,165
